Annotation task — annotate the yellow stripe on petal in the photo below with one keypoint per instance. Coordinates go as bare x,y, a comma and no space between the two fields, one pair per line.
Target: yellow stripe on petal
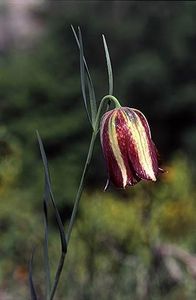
141,143
140,113
115,147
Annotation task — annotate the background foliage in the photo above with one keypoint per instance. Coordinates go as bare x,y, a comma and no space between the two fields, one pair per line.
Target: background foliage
118,247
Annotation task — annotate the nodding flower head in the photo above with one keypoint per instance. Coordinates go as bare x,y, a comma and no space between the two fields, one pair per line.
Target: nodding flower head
128,148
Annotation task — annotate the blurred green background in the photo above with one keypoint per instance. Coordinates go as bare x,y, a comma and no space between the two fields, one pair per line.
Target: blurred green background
134,244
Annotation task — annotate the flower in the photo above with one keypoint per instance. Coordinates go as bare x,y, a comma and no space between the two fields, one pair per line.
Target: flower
128,148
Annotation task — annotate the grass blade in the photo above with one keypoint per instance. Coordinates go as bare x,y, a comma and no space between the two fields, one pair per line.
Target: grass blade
31,283
109,66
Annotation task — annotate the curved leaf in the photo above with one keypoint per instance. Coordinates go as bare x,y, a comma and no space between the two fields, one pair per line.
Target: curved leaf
109,66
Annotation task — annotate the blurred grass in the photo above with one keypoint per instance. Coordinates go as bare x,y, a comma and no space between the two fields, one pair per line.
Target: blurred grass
113,240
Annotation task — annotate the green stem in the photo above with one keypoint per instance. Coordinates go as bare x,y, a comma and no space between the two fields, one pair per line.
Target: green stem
58,274
80,189
88,160
110,97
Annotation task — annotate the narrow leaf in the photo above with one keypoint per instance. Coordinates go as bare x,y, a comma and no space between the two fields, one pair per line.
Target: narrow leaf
109,66
48,183
88,78
93,104
46,199
31,283
83,78
85,63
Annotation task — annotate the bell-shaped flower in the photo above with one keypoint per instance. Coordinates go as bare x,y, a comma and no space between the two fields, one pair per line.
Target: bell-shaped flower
128,148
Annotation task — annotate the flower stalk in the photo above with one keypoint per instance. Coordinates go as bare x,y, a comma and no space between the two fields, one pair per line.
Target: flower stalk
80,189
88,160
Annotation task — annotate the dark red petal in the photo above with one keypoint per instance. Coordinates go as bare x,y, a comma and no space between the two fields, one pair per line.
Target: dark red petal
114,172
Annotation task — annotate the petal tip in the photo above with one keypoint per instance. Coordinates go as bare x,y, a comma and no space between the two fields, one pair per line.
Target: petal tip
153,178
106,185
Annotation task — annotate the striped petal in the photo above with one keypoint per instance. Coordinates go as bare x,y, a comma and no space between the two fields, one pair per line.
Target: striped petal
141,149
121,133
113,140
